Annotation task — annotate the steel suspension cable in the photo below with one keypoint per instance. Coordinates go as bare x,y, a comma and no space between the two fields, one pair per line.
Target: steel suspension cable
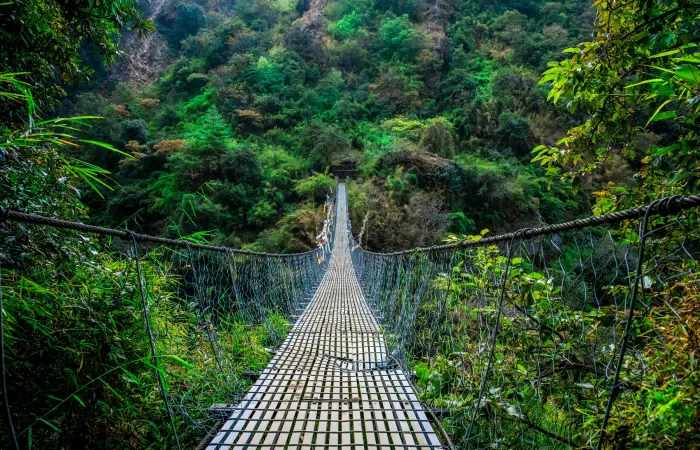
147,323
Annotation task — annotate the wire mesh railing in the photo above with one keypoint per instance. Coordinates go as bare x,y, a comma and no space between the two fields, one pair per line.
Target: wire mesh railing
119,340
579,335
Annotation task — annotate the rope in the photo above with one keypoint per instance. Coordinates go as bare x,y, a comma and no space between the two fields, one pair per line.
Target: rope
478,343
494,335
35,219
630,317
203,322
6,400
665,207
147,322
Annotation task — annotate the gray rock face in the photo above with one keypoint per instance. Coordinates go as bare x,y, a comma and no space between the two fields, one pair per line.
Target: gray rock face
143,59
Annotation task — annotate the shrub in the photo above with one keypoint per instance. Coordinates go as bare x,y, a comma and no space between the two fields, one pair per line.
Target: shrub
169,147
437,138
241,166
316,186
513,132
149,103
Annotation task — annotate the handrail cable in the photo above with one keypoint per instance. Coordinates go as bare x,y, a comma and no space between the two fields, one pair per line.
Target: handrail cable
664,206
36,219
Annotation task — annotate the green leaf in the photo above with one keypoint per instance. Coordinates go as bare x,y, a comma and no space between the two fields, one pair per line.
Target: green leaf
107,385
180,361
657,112
77,119
665,115
436,380
689,73
662,54
107,146
663,69
687,59
423,372
50,424
661,151
653,80
77,399
576,185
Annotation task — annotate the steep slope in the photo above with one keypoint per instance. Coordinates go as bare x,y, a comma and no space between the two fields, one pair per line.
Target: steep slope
144,58
235,135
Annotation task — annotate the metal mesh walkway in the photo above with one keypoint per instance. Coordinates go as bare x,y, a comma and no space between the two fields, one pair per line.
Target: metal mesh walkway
329,385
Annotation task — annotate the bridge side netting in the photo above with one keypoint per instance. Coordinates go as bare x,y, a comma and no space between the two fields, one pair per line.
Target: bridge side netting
531,343
215,303
142,343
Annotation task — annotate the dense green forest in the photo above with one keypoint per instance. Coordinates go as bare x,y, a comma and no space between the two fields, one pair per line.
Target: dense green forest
220,121
437,104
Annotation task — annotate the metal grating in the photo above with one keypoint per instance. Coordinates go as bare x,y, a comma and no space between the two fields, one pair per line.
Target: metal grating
330,384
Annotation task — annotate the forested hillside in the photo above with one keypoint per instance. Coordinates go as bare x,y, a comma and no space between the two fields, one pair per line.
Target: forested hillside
221,122
438,104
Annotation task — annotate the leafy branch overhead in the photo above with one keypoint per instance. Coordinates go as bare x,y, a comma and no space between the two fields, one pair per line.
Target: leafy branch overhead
639,82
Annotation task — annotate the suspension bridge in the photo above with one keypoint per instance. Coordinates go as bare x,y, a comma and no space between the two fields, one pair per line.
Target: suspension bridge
332,383
544,338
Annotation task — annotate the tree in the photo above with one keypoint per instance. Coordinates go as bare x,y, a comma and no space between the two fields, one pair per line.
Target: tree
401,182
187,19
349,56
325,142
437,138
210,134
512,131
410,8
400,87
241,166
401,127
640,74
316,186
43,39
459,87
346,26
398,38
261,213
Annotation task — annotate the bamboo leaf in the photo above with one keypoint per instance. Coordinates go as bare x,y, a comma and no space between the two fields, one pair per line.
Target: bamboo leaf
107,146
689,73
78,400
654,80
107,385
662,54
180,361
49,424
658,110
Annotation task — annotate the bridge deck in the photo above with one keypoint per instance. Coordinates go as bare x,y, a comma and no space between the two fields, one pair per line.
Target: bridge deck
327,386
